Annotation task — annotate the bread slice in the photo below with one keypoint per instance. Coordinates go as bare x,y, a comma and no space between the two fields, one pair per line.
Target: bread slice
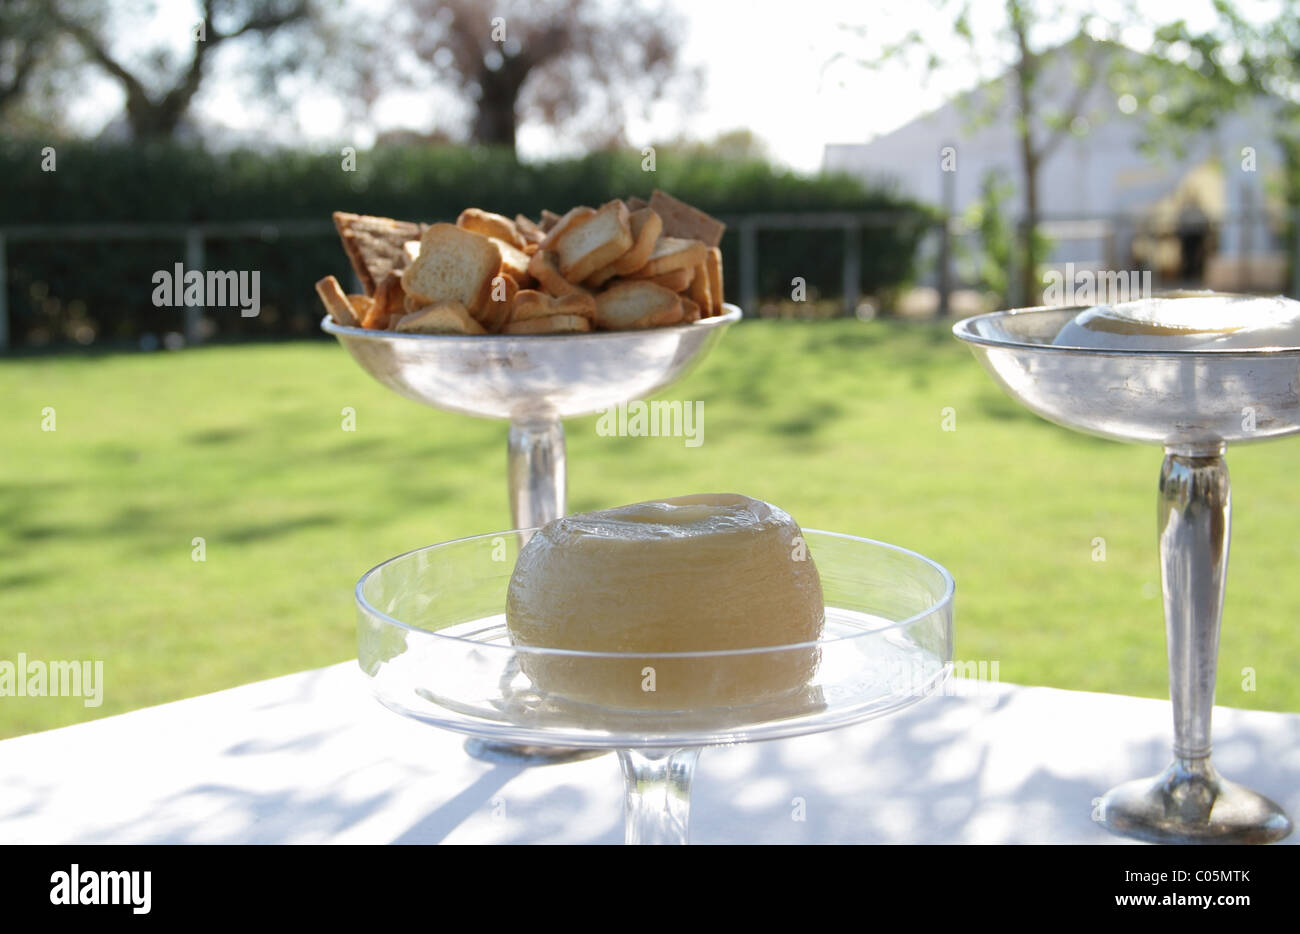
672,253
490,225
454,265
446,317
679,280
374,245
361,305
690,311
551,324
531,233
646,228
547,220
699,291
635,204
544,269
501,296
685,222
637,304
385,304
529,304
412,250
589,244
336,302
598,278
557,229
514,261
713,265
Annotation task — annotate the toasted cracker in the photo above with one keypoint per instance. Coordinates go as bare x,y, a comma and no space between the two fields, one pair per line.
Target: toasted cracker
551,324
455,264
646,228
361,305
386,303
447,317
529,304
375,245
556,231
501,296
544,267
593,242
490,225
713,265
672,253
514,261
679,280
531,233
683,221
336,302
635,303
699,290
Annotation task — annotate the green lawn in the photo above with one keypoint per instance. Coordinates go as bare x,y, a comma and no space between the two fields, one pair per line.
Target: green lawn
839,423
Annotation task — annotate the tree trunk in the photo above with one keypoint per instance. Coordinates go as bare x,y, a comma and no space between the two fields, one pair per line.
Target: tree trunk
496,119
1030,286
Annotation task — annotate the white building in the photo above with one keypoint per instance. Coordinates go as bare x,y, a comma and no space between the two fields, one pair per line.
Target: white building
1103,201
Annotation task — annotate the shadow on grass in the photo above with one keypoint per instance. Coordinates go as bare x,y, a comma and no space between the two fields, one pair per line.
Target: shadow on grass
217,436
809,422
24,579
269,530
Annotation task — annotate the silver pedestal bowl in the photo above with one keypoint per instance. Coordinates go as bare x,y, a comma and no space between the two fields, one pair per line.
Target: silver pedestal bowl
1193,403
534,381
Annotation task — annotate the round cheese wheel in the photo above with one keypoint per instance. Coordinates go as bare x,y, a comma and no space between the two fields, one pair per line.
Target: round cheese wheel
1196,320
689,574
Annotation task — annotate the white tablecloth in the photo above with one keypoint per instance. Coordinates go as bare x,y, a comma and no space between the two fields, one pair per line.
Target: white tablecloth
312,758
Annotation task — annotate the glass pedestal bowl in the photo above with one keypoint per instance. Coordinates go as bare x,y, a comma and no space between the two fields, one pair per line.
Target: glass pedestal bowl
432,638
533,382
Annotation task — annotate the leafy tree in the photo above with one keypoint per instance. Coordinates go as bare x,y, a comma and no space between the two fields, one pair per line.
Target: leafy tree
159,92
26,34
573,64
1042,117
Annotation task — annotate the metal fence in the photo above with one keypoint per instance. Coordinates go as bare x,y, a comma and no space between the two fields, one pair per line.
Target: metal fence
938,263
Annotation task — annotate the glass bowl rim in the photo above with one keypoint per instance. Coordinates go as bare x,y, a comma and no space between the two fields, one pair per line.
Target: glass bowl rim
964,330
939,605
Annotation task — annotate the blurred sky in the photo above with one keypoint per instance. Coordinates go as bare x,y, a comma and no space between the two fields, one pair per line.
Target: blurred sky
787,69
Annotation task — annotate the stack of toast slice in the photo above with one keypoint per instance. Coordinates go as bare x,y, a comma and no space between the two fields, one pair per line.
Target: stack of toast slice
625,265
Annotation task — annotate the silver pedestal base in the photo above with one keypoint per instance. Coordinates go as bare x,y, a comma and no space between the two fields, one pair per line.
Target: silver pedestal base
1189,803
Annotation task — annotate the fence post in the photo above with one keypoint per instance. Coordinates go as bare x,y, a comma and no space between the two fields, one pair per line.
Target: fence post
193,260
4,297
1295,259
749,267
852,269
1246,243
945,264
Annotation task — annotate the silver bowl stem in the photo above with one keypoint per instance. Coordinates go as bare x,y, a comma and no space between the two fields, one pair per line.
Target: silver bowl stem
1188,802
536,472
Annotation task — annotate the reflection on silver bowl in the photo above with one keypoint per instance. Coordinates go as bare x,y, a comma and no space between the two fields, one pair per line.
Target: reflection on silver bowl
1177,398
531,377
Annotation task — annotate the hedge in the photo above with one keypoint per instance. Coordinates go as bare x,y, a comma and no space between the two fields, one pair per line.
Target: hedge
58,288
